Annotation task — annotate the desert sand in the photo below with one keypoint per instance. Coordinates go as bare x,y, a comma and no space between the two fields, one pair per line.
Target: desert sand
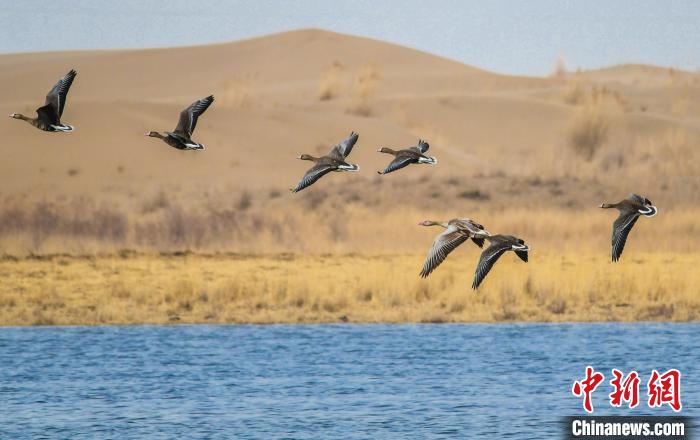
523,155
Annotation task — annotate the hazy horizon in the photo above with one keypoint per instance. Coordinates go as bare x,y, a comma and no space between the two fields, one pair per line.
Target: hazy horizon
505,37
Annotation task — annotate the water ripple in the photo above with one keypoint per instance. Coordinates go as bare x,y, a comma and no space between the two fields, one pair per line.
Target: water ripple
321,381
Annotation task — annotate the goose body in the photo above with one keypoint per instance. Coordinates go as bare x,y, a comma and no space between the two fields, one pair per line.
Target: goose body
181,137
48,117
407,156
499,245
457,231
630,210
333,161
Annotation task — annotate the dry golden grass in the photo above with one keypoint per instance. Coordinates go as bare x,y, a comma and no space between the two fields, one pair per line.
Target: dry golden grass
346,288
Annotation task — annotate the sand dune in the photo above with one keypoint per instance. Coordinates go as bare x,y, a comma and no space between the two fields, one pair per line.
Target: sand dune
302,91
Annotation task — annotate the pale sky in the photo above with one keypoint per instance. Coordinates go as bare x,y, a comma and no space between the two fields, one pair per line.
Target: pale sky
516,37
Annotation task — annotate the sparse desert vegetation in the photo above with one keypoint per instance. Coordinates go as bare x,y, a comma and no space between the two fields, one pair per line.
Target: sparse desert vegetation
330,83
365,82
362,216
589,131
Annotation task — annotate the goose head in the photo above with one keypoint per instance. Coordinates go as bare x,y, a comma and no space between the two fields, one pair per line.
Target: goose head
152,134
307,157
433,223
16,116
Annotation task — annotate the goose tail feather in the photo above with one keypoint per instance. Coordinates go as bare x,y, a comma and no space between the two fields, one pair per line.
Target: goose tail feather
350,167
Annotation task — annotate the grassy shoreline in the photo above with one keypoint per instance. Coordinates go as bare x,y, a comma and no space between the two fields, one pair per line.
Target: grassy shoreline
231,288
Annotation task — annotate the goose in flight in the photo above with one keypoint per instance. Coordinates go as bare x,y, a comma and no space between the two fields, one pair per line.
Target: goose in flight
499,245
181,137
630,210
333,161
457,231
403,158
48,117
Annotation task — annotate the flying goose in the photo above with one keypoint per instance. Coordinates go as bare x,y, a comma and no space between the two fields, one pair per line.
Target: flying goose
48,117
630,210
457,231
407,156
181,137
499,245
333,161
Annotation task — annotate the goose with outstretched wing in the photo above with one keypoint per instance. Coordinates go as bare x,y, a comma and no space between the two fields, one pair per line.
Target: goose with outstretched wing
407,156
181,137
457,231
630,209
499,245
48,117
333,161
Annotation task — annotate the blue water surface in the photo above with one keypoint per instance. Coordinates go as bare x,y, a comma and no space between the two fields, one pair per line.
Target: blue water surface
324,381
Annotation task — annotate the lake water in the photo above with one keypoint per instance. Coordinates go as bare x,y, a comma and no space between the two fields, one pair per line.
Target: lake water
324,381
